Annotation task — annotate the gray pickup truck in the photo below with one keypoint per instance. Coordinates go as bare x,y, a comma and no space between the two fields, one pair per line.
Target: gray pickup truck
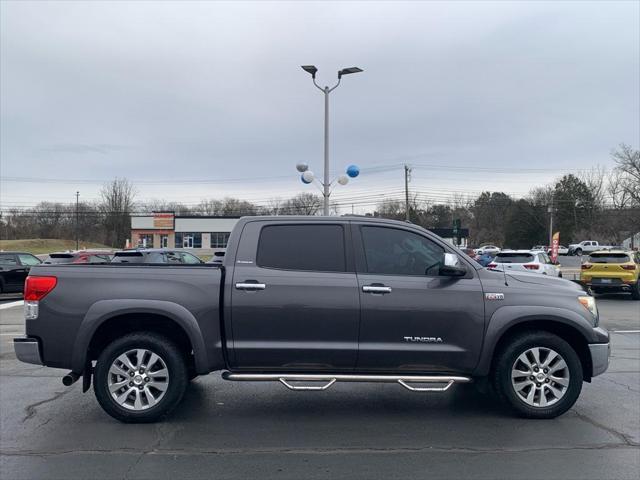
308,302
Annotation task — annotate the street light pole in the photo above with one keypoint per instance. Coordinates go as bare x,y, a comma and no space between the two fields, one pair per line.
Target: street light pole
326,150
77,221
312,70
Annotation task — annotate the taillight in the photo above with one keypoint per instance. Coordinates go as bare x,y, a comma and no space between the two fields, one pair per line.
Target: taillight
36,288
532,266
492,265
585,266
628,267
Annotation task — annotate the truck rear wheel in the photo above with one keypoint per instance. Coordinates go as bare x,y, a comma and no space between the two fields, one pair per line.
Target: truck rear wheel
538,374
140,377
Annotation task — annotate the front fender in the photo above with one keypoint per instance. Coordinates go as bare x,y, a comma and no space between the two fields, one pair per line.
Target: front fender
103,310
508,316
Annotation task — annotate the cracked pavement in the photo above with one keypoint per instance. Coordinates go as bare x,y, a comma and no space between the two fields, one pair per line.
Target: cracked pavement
243,430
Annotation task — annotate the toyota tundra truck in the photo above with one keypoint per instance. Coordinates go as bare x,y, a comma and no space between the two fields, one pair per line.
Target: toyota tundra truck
309,302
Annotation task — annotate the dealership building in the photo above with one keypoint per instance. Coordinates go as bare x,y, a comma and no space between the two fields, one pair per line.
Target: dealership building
203,234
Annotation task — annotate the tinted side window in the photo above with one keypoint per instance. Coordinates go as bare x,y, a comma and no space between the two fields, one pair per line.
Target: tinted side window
399,252
302,247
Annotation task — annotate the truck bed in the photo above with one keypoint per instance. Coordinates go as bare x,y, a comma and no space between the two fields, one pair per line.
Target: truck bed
88,295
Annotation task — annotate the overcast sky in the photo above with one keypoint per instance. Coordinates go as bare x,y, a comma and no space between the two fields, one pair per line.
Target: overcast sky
175,92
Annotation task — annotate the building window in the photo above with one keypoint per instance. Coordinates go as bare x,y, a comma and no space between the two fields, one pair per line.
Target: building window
188,240
145,240
219,239
164,241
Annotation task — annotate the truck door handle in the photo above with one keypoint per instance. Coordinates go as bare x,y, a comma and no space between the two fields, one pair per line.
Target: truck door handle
376,289
250,285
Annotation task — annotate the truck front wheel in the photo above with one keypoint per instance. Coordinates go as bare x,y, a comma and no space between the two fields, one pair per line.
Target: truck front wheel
538,374
140,377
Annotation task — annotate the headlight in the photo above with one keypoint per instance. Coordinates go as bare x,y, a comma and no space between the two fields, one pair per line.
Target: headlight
589,303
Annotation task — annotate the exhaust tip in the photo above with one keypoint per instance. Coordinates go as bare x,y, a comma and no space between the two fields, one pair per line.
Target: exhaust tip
69,379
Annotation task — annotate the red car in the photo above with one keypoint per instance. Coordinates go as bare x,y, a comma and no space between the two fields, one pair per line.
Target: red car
80,256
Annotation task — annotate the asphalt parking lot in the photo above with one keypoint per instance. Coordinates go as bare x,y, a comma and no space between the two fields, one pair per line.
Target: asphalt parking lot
243,430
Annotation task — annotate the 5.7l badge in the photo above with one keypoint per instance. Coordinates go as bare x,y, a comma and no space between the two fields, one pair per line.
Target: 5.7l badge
494,296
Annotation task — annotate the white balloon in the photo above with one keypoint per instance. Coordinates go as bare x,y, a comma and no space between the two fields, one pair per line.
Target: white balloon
308,176
343,179
302,167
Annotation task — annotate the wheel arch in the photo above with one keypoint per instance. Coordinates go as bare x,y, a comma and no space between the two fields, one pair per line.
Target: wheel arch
109,319
569,334
508,322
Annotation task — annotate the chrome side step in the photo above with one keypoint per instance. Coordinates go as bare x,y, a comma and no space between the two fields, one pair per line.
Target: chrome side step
432,383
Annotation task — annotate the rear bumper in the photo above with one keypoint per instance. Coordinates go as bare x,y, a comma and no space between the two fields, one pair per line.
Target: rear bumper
600,353
611,287
27,350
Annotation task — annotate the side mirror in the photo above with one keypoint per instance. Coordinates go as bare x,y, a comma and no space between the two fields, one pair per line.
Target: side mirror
452,266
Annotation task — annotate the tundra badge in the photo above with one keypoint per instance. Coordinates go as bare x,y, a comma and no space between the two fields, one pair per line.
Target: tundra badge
423,339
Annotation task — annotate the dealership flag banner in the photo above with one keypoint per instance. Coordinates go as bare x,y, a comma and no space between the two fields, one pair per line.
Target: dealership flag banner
555,243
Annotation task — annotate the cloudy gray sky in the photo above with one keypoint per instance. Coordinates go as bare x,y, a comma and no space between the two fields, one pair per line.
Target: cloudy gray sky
207,99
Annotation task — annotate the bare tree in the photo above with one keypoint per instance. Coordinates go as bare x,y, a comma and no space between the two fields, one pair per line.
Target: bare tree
116,206
302,204
628,163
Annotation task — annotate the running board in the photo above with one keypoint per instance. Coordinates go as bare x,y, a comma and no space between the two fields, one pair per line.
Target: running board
434,383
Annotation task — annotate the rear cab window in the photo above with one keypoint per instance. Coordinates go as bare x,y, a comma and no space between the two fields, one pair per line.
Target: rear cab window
317,247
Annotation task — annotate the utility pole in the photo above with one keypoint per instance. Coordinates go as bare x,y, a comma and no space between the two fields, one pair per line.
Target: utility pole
77,221
550,210
407,178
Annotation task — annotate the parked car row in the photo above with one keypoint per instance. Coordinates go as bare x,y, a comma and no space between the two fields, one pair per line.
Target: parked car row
15,266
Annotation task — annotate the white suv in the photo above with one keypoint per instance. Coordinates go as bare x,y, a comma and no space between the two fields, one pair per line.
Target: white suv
525,261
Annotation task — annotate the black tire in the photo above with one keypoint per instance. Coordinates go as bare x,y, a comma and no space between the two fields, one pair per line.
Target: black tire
578,252
635,292
177,379
506,359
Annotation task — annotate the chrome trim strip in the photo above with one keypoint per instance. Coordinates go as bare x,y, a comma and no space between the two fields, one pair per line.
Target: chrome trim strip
600,353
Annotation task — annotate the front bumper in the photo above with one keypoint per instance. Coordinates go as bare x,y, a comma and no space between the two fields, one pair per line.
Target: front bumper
600,353
27,350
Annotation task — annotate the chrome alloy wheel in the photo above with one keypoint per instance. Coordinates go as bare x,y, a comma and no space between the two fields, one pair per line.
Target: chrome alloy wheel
138,379
540,377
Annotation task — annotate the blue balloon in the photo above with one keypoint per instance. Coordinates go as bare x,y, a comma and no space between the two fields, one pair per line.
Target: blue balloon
353,171
303,180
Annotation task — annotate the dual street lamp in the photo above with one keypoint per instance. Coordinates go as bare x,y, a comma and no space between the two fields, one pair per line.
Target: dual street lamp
352,171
